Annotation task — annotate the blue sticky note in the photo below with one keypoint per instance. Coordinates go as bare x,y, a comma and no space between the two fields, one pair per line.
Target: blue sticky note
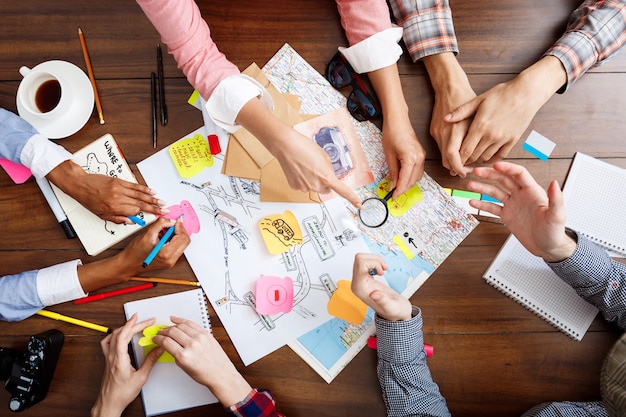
538,145
490,199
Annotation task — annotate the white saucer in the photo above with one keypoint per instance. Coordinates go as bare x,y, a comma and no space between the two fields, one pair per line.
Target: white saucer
82,104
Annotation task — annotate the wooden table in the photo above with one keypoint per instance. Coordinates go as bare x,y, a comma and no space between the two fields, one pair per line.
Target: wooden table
492,357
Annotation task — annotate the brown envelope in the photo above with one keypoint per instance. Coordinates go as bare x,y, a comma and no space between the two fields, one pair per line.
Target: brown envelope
246,157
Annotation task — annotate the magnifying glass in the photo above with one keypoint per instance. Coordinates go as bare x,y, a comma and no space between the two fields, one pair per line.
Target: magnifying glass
374,211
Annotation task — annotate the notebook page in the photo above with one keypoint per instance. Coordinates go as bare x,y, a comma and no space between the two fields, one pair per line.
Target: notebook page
168,387
595,198
529,281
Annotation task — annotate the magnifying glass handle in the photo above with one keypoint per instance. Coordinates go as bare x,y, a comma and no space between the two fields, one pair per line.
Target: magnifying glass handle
389,194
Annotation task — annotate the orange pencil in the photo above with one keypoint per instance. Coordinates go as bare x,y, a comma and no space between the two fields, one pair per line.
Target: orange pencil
83,45
166,281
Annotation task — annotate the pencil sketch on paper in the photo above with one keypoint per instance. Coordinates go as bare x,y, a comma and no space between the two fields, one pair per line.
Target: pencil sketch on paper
229,253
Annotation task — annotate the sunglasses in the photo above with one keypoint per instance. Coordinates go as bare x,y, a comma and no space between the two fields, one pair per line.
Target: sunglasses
361,104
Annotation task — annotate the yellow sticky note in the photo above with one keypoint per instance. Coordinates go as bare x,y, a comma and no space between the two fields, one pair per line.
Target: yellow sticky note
191,155
345,305
280,232
404,202
148,345
403,247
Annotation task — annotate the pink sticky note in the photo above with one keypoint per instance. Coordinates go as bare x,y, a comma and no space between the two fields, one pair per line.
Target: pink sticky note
18,173
274,295
191,222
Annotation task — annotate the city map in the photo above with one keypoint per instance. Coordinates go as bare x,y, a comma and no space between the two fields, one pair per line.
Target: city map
427,232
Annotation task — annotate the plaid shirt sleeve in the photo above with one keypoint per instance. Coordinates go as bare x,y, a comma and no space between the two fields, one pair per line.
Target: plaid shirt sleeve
428,27
405,380
259,403
596,278
595,31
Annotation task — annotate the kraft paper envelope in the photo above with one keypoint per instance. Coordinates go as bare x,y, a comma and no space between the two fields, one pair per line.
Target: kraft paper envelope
246,157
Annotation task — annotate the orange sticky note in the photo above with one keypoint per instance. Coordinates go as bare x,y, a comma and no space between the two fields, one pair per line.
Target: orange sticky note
345,305
280,232
191,155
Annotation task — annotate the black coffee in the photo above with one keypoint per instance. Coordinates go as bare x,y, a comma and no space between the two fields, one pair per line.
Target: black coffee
48,96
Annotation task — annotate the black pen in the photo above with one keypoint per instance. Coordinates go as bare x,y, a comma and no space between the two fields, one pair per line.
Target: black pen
162,106
154,106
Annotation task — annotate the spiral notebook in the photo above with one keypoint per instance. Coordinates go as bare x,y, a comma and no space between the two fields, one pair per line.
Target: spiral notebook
595,197
528,280
594,194
168,387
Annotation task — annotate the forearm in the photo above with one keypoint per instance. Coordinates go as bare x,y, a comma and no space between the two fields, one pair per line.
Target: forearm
597,278
188,38
541,80
445,72
403,374
428,27
363,18
386,83
595,32
105,272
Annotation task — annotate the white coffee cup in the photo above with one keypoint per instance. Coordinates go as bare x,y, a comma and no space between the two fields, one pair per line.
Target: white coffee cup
43,94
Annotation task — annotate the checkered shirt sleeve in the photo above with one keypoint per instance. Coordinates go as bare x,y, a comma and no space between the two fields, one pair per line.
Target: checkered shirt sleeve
567,409
259,403
427,26
595,31
597,278
407,386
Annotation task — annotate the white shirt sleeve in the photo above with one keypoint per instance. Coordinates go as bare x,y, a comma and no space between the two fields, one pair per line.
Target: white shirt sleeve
230,95
59,283
378,51
42,156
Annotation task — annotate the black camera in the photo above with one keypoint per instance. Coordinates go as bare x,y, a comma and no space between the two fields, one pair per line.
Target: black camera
28,374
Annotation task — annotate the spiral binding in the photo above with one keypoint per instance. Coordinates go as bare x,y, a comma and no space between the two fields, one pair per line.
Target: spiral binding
204,311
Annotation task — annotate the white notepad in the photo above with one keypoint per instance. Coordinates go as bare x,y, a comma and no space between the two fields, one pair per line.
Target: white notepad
528,280
104,157
168,387
595,196
595,199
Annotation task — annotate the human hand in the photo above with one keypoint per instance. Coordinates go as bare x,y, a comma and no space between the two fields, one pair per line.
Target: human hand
121,382
535,218
109,198
305,164
386,302
404,153
308,168
448,135
502,114
198,354
452,89
135,253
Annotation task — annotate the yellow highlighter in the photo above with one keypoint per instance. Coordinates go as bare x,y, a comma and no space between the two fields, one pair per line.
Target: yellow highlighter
77,322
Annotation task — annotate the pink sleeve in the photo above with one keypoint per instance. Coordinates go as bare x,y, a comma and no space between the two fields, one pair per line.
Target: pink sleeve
363,18
188,39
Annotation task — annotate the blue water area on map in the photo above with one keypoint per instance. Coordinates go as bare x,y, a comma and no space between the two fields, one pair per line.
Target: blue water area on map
400,269
325,341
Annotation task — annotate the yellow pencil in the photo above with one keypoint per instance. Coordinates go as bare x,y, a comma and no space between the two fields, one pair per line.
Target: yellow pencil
82,323
92,78
166,281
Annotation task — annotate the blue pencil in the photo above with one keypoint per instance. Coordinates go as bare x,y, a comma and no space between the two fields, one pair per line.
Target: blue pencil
159,245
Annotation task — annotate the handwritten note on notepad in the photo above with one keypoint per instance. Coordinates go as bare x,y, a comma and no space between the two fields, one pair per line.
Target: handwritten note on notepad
168,387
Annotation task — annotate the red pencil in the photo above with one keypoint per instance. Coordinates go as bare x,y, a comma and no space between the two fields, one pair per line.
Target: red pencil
103,295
